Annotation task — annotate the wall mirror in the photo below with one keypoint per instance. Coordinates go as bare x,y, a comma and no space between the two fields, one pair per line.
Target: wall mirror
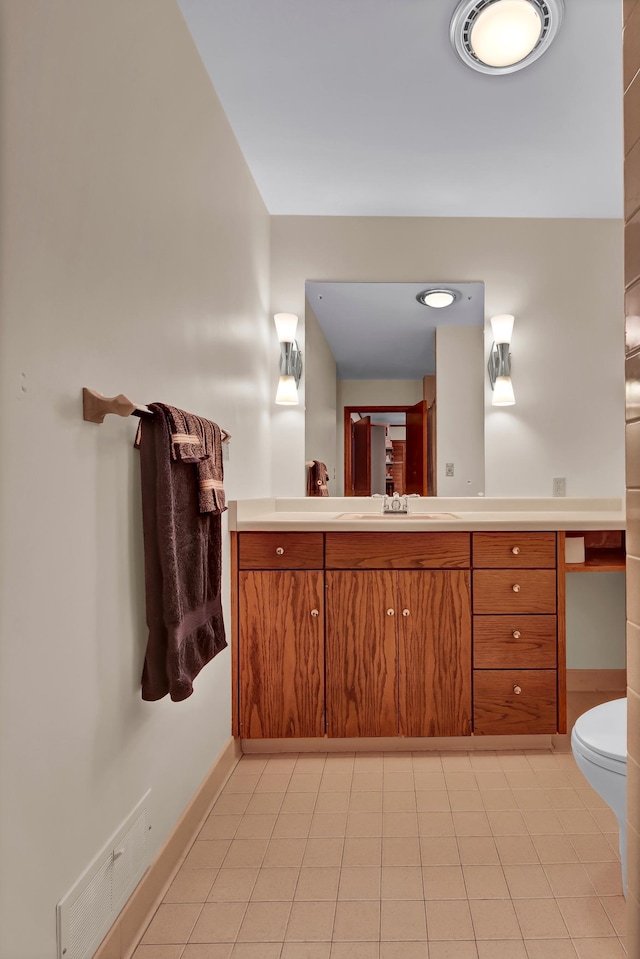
395,391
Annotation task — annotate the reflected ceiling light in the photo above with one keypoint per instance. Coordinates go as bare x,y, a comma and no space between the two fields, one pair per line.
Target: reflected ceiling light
502,36
437,298
500,362
290,359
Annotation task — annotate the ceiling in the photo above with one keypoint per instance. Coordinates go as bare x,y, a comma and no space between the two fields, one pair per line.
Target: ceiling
361,107
379,331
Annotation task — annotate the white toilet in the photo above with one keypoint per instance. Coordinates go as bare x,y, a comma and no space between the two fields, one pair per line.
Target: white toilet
599,744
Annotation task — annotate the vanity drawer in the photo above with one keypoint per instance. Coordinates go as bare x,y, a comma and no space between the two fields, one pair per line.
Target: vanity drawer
514,642
281,550
514,701
398,550
514,550
514,591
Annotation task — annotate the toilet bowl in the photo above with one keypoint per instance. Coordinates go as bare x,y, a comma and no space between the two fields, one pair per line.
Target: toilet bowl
599,744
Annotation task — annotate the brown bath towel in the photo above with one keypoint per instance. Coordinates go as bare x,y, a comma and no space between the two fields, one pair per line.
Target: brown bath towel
183,560
195,440
317,479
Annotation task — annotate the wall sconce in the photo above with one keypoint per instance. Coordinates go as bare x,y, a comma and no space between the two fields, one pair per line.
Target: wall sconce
290,359
499,363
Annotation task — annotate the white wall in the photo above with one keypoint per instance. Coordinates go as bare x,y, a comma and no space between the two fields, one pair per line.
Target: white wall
370,393
320,394
563,281
460,373
135,258
596,621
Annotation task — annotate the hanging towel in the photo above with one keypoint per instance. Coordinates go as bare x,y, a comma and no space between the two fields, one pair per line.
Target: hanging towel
182,557
317,479
199,441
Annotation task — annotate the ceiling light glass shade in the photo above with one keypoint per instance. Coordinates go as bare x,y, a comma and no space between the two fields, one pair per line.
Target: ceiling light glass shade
503,36
505,32
287,393
502,327
438,299
503,392
286,324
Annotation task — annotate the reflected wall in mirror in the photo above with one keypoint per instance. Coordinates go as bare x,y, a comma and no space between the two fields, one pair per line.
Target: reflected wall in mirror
378,351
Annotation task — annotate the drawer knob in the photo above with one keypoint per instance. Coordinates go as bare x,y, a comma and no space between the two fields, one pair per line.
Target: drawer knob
406,612
515,550
517,690
279,551
314,613
516,588
517,634
391,612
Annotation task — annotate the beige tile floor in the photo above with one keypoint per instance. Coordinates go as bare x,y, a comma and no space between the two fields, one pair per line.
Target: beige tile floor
478,855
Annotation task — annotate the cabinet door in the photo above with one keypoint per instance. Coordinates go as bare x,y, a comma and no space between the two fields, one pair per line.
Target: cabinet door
361,649
434,623
281,654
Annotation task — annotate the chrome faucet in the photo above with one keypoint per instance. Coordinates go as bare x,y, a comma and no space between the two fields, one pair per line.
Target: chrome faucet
396,503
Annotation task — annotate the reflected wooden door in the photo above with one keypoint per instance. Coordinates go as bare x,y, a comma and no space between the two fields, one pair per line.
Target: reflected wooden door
281,654
361,452
416,449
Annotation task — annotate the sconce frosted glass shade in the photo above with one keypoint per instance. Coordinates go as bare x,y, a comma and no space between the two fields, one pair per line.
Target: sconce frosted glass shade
287,393
286,324
502,327
505,32
503,392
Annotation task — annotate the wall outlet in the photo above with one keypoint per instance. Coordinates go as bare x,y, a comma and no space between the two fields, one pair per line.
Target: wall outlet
448,469
559,486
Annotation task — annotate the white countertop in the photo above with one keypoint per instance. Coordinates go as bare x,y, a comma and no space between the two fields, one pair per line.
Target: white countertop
321,514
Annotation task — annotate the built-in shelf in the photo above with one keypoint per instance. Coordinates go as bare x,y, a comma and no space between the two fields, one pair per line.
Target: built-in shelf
600,560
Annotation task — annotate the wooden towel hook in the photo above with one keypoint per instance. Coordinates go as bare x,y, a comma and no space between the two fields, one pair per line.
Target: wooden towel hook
95,406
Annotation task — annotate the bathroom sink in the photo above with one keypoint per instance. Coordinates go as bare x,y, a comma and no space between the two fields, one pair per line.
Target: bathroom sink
398,515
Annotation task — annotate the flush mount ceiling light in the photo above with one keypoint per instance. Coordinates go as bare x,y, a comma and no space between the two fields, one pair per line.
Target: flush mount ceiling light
502,36
437,298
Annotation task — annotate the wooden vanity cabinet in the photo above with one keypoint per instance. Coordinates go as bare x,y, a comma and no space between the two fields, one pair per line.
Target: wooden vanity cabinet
371,634
281,636
515,633
398,640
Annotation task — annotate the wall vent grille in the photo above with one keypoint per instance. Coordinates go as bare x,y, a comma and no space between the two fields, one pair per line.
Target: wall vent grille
90,907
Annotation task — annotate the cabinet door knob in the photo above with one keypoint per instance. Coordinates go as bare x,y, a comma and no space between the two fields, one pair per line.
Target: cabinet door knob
406,612
516,588
390,612
517,690
314,613
517,634
515,550
279,551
